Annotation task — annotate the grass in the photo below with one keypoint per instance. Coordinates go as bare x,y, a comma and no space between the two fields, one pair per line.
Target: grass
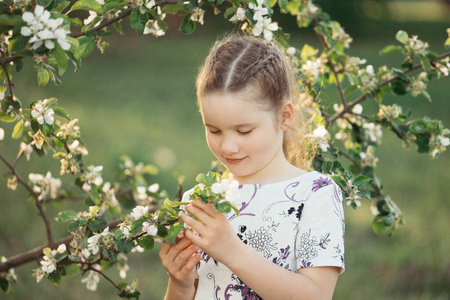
139,100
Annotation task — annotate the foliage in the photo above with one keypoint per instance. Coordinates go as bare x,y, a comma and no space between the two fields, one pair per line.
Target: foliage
41,31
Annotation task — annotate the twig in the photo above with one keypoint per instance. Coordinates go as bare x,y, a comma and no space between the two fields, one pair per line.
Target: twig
380,85
10,85
338,84
36,200
106,277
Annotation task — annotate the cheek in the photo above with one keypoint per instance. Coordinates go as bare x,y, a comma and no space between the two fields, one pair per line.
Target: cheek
212,143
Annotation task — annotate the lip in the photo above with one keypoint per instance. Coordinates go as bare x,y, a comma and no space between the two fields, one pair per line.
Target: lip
234,160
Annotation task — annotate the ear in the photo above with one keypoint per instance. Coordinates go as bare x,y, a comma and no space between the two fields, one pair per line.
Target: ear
287,115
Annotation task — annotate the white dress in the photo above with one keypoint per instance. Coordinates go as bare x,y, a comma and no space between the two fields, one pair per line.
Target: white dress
296,223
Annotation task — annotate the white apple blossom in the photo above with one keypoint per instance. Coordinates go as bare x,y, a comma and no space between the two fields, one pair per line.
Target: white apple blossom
26,149
239,15
69,129
265,26
153,27
150,4
417,87
230,189
90,18
42,113
197,15
91,280
61,248
291,51
151,229
44,30
93,241
139,211
45,186
124,228
373,132
320,138
48,264
2,134
415,45
153,188
259,10
314,67
357,109
93,175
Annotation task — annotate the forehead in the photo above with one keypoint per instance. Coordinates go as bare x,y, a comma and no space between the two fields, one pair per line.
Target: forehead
231,109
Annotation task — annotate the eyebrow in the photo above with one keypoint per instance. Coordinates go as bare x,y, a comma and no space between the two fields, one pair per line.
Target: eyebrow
236,126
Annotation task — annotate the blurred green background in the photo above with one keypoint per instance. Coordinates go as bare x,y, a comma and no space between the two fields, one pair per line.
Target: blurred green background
139,99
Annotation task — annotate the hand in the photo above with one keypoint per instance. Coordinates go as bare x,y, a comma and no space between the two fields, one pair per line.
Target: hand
179,260
212,232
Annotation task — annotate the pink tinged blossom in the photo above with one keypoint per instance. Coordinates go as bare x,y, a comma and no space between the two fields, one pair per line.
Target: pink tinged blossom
150,229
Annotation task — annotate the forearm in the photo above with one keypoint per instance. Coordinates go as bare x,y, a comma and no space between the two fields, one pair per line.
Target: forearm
177,292
271,281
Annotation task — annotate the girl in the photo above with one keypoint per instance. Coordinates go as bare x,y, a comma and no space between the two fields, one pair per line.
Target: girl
287,243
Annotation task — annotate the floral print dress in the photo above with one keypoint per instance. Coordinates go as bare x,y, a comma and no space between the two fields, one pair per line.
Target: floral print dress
297,223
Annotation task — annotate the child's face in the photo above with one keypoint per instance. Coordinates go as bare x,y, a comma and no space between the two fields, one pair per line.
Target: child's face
244,136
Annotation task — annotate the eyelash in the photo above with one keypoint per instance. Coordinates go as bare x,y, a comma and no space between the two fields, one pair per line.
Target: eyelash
240,132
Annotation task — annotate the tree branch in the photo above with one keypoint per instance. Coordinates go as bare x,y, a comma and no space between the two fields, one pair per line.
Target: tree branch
380,85
104,275
10,84
36,253
36,200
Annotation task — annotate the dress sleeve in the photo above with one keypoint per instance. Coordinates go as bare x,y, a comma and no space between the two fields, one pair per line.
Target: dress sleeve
320,232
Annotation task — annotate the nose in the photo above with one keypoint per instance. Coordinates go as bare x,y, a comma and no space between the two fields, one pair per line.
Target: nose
229,145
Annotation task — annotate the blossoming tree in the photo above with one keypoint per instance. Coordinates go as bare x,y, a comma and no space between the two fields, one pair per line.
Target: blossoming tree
50,34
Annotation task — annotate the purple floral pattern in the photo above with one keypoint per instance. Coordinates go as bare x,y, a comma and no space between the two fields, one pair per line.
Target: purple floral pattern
298,223
320,183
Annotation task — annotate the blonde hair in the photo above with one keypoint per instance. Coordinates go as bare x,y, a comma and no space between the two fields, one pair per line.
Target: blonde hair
239,62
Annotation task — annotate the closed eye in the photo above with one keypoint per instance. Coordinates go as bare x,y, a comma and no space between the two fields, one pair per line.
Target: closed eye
245,132
214,131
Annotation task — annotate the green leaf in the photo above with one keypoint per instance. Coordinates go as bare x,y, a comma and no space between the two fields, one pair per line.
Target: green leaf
85,48
402,36
283,5
447,43
8,118
87,5
390,49
112,5
94,195
138,21
378,225
173,232
61,112
124,246
174,8
229,11
151,170
18,130
147,242
136,227
11,20
54,278
18,44
307,52
66,215
61,59
43,77
361,181
399,87
61,6
72,270
4,284
47,129
187,26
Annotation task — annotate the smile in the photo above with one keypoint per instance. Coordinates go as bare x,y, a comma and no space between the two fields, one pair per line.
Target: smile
234,160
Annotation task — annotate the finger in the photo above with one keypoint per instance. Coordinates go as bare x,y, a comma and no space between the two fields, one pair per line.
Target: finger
193,223
192,262
184,256
194,238
206,207
199,212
